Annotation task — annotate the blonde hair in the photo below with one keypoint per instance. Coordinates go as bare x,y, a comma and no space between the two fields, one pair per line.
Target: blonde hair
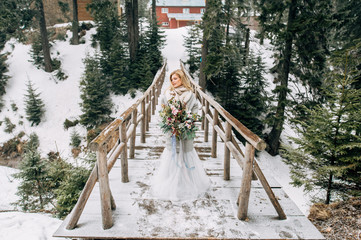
185,81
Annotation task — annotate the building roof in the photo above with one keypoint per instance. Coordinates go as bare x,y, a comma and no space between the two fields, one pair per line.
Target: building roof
181,3
186,16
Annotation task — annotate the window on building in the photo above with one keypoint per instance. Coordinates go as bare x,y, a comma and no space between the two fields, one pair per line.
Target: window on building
165,23
164,10
203,10
185,10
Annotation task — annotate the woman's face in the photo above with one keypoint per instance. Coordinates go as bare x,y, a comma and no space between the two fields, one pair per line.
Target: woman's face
176,80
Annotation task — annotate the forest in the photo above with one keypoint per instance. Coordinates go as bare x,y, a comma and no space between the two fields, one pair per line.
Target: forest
316,85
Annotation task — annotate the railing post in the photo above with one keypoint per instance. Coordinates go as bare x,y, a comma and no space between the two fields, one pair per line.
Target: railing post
148,118
245,191
132,138
142,126
149,97
227,153
203,113
124,157
214,134
105,195
206,122
153,100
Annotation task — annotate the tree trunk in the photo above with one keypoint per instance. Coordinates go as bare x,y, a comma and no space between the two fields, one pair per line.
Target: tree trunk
75,27
154,13
202,76
131,10
228,10
329,188
273,138
246,47
44,36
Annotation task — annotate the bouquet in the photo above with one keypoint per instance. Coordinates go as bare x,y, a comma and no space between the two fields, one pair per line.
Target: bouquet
177,120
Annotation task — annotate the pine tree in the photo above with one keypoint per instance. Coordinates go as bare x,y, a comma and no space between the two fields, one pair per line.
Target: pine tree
253,100
96,103
33,190
34,105
328,153
107,22
299,30
214,32
70,189
154,43
192,43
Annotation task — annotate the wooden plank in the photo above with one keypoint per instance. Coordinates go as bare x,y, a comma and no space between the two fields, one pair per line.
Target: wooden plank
236,154
269,191
104,188
222,135
245,191
227,155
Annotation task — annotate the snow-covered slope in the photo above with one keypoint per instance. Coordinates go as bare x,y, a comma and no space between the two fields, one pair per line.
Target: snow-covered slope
61,98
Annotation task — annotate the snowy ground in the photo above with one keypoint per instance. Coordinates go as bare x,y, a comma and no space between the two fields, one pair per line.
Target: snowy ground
62,101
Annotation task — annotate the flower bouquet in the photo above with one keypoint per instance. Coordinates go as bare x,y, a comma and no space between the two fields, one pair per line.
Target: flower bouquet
178,121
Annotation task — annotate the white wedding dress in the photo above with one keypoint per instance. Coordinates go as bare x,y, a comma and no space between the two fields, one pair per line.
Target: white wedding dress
180,175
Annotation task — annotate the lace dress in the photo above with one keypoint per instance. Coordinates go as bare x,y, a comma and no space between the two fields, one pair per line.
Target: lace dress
180,175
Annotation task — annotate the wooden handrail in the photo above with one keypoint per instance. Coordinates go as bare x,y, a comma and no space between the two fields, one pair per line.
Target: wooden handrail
106,159
245,160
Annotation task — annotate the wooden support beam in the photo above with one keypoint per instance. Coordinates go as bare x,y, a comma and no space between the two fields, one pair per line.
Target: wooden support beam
227,155
104,188
269,192
124,155
245,191
214,134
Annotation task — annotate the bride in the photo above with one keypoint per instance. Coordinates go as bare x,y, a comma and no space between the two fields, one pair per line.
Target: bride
180,175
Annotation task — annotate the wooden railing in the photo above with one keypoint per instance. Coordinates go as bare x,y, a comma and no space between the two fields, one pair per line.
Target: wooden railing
210,112
108,150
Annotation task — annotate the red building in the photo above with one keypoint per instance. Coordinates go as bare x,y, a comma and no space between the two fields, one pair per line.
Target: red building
179,13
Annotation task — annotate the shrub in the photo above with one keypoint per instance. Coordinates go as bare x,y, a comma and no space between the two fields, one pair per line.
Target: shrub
9,126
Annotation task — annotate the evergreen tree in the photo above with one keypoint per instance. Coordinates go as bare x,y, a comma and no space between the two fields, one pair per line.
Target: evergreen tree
34,105
298,29
75,139
70,189
154,43
33,190
115,65
192,43
213,31
107,23
96,103
253,100
328,153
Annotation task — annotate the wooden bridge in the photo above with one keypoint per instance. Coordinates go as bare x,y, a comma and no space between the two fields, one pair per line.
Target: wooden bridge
243,202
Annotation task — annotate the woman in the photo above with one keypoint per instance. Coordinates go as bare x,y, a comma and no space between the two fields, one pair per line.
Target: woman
180,175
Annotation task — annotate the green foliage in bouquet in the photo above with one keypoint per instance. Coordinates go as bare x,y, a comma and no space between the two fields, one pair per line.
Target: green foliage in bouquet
178,121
